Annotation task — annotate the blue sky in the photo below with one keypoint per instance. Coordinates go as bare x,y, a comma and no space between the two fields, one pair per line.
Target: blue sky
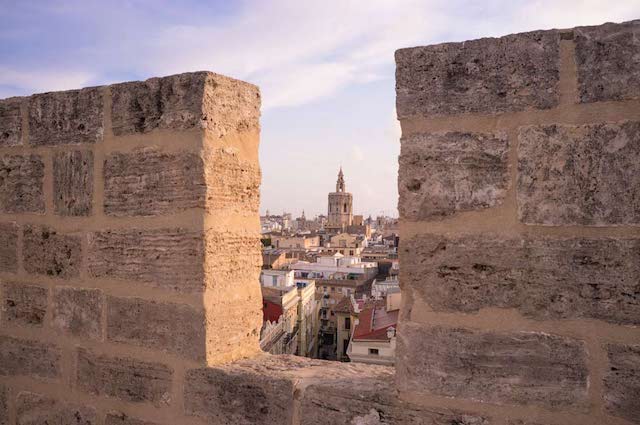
325,68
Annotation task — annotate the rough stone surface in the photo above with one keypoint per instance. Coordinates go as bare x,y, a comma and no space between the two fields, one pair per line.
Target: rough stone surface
73,116
73,183
174,328
233,183
23,304
21,181
541,278
78,312
20,357
124,378
485,76
165,258
117,418
36,409
49,253
237,397
231,257
622,382
149,182
9,247
10,122
4,405
445,173
579,175
608,61
505,368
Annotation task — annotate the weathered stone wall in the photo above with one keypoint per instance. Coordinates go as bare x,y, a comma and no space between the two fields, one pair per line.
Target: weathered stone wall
129,250
520,226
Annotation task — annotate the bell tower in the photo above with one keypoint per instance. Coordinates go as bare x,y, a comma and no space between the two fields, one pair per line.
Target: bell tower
340,214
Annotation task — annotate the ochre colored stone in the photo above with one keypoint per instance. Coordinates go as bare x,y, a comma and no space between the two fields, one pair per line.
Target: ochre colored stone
21,181
123,378
542,278
4,405
49,253
607,61
65,117
486,76
10,122
36,409
21,357
622,382
117,418
233,183
9,247
164,258
174,328
73,183
78,312
445,173
148,182
525,368
23,304
579,175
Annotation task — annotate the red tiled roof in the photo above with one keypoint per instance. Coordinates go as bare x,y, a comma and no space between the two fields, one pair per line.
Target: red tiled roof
373,323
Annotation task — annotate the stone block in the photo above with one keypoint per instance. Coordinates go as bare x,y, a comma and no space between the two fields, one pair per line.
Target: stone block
65,117
4,405
174,328
117,418
10,122
148,182
21,181
234,183
48,253
486,76
234,397
543,278
579,175
20,357
36,409
78,312
73,183
166,258
9,247
622,382
23,304
445,173
124,378
231,257
186,101
524,368
607,61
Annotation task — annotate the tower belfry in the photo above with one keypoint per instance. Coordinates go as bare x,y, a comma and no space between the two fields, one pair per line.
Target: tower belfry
340,214
340,187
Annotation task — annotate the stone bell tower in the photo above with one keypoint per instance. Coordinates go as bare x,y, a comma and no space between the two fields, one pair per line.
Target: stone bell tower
340,214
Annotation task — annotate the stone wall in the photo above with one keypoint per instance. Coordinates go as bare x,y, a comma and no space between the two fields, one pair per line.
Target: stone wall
129,249
520,226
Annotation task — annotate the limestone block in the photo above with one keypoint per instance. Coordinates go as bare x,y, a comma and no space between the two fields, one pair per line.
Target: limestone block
117,418
21,181
149,182
232,257
579,175
23,304
526,368
622,382
593,278
486,76
49,253
608,61
234,183
78,312
444,173
9,247
21,357
36,409
10,122
173,328
73,183
73,116
165,258
124,378
4,405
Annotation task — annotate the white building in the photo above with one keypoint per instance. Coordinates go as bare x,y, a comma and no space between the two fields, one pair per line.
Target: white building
277,278
336,266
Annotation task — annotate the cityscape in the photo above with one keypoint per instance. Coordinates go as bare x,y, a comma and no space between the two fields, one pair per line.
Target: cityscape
330,283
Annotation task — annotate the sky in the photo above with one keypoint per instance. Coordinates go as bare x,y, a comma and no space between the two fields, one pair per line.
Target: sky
325,69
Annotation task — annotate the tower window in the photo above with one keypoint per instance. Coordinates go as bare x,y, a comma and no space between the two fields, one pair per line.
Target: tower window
345,207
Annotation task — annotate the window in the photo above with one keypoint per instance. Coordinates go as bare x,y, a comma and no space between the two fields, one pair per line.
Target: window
347,323
373,352
333,289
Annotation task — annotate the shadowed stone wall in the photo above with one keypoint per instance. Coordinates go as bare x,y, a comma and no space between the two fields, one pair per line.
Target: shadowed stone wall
520,226
129,249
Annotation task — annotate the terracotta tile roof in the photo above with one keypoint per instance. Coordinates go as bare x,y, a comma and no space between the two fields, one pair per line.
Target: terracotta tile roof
373,323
